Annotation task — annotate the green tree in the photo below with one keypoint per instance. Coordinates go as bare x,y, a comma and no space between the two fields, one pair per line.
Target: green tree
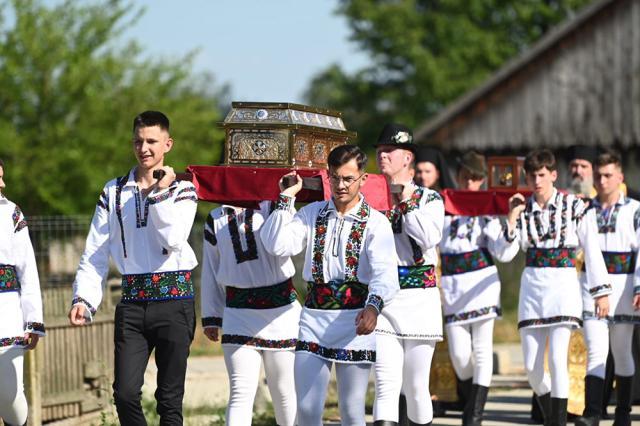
426,53
70,90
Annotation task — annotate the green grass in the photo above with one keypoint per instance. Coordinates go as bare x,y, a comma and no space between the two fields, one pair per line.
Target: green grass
203,415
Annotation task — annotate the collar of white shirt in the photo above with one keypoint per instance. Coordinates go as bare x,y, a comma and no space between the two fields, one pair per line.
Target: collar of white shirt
551,204
621,201
353,213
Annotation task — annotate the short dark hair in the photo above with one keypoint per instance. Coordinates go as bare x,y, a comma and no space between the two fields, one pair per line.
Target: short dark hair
342,154
1,163
150,119
609,156
538,159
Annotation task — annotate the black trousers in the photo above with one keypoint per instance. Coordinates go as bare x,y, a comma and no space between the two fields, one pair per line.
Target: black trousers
140,327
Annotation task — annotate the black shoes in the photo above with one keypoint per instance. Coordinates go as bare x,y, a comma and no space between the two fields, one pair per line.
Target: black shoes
623,397
474,408
594,394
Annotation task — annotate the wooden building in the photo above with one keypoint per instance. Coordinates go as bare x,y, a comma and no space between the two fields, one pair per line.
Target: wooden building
580,84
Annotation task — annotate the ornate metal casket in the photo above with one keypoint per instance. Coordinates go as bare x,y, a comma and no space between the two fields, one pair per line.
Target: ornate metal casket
272,134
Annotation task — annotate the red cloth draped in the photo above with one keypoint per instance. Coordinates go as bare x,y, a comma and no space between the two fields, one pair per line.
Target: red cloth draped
246,186
477,203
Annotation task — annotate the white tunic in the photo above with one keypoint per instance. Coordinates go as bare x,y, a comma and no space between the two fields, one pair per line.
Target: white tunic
235,258
416,313
619,238
20,299
337,250
550,294
141,235
470,281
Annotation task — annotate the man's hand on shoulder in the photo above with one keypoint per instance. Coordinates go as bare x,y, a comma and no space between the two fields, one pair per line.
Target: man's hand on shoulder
293,190
168,178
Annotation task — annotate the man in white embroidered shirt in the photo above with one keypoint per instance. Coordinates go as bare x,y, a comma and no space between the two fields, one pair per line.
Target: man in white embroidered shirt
143,223
21,323
550,227
350,268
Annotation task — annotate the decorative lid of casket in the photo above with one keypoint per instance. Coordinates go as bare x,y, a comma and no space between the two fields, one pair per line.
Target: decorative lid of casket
282,135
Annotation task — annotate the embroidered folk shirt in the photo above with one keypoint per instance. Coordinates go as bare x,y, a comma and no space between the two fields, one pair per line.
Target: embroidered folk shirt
619,239
245,289
470,281
351,257
416,312
20,298
141,235
549,288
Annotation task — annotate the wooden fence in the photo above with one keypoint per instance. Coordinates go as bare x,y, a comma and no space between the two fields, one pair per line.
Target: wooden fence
71,371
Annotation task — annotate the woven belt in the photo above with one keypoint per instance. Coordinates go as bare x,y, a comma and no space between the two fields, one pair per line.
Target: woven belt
336,295
551,258
460,263
157,286
272,296
419,276
8,279
618,262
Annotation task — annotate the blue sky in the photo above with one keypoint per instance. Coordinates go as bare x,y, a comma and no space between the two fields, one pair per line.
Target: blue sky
267,50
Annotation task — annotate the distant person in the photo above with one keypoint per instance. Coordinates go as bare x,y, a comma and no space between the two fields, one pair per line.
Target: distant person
21,323
249,302
618,219
581,159
550,227
431,169
471,290
142,224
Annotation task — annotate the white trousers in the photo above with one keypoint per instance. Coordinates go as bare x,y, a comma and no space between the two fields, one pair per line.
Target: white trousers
598,335
312,380
533,347
471,350
243,366
13,403
403,366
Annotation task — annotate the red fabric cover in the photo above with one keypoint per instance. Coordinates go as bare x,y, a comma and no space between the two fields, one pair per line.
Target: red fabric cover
246,186
476,203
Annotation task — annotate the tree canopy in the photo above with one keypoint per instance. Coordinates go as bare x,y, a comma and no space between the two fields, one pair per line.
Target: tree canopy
70,90
426,53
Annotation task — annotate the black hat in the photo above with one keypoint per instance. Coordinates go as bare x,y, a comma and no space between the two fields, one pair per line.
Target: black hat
474,163
582,152
397,135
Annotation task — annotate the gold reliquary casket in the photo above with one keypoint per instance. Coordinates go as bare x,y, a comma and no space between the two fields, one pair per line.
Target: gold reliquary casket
506,173
268,134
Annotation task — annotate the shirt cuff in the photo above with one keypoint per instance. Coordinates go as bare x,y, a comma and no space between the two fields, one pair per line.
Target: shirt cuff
211,322
509,234
600,290
410,204
375,301
284,202
35,328
89,312
636,290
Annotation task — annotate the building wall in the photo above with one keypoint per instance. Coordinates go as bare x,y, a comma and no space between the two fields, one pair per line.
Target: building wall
583,89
